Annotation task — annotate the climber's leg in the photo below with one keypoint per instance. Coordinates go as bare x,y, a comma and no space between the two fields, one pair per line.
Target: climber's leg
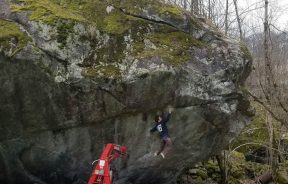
163,143
168,145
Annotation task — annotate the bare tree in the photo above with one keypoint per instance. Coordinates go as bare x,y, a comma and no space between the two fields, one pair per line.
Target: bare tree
185,4
209,9
195,7
226,17
238,19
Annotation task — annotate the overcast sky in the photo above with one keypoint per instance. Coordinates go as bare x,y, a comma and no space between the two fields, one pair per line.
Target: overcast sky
277,8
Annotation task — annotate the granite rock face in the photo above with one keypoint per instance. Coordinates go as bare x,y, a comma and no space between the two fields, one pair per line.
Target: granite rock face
77,75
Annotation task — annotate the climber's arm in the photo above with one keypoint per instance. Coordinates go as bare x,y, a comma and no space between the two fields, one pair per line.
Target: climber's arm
153,129
167,115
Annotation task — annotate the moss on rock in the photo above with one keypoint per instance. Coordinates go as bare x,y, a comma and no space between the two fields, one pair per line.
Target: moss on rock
136,7
202,173
106,71
245,50
12,39
255,132
172,47
63,31
48,11
238,169
51,11
117,19
282,176
117,23
174,10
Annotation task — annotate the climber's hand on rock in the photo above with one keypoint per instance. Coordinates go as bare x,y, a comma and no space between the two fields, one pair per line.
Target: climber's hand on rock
170,109
149,133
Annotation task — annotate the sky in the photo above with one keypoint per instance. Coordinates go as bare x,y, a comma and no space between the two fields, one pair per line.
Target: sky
277,8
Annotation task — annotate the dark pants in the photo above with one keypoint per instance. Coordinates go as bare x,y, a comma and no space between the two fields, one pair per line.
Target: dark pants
166,145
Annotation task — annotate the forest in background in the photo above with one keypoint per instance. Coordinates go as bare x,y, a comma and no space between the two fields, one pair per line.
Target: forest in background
259,154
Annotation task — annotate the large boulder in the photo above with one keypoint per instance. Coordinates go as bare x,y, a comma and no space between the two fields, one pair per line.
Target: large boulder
76,75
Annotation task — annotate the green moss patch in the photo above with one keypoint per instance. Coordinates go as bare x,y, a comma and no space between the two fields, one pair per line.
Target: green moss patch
136,7
174,10
238,170
63,31
48,11
256,132
245,50
11,37
172,47
108,71
176,38
117,23
94,11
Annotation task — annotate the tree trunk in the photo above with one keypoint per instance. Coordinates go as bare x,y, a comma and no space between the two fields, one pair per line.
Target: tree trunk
281,145
238,19
195,7
209,9
185,4
267,54
222,163
226,17
271,137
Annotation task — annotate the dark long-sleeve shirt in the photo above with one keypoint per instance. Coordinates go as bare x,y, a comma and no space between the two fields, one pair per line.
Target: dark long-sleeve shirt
161,126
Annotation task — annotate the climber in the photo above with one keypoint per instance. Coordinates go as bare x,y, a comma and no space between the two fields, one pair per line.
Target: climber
161,127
